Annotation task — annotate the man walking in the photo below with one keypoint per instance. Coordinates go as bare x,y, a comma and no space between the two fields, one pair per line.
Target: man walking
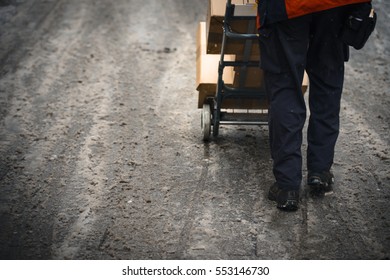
296,35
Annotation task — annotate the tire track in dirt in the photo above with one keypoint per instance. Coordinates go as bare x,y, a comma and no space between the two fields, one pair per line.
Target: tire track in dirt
93,177
25,189
62,48
192,211
18,43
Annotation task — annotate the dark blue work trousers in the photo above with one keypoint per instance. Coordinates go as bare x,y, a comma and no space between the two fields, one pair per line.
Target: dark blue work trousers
309,42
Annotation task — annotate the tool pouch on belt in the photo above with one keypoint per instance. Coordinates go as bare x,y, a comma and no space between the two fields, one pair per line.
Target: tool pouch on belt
358,26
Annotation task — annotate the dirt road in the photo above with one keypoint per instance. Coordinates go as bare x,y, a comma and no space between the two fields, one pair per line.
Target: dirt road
101,154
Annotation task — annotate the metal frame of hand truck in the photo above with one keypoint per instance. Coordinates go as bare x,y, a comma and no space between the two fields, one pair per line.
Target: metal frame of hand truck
212,114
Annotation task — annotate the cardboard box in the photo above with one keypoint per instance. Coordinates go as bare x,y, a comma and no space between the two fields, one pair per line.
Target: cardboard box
207,76
305,83
207,68
243,7
251,77
215,21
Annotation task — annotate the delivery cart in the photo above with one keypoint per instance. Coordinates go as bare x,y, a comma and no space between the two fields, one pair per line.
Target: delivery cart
242,99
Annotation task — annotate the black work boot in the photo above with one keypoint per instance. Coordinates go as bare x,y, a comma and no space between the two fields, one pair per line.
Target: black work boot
285,199
320,183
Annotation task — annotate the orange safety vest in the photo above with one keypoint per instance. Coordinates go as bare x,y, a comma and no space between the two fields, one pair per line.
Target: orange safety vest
271,11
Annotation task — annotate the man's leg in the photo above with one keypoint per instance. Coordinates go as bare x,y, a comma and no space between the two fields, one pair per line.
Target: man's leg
283,57
325,67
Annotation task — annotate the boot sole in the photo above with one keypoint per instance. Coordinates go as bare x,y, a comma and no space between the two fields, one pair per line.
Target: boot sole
320,189
289,205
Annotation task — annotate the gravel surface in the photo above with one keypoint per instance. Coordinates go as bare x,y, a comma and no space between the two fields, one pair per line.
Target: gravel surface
101,154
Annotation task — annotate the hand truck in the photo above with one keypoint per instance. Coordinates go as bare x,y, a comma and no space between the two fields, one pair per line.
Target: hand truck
240,104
